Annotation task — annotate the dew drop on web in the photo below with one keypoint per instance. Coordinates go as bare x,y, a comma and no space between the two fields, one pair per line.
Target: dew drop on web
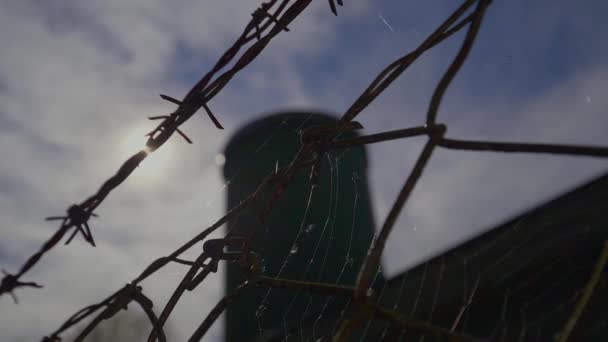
294,249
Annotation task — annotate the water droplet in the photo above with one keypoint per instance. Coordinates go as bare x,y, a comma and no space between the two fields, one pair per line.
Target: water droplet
260,311
414,228
294,249
588,99
309,228
349,261
220,159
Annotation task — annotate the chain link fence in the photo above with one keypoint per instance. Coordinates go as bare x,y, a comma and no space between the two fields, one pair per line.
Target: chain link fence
362,301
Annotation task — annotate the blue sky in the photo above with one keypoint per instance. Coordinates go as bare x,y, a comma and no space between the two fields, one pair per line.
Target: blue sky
77,80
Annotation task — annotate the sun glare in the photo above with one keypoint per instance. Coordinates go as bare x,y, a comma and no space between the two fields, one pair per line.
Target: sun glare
155,164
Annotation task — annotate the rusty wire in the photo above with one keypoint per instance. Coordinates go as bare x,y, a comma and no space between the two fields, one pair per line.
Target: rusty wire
78,214
316,141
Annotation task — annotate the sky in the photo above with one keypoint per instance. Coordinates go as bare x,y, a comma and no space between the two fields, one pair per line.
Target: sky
78,79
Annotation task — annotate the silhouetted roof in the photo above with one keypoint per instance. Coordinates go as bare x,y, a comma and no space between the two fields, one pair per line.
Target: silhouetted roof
524,276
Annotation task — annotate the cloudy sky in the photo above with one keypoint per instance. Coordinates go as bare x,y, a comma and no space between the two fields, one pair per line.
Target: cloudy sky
78,78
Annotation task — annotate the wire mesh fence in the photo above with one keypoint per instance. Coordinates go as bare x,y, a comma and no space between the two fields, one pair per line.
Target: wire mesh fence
368,306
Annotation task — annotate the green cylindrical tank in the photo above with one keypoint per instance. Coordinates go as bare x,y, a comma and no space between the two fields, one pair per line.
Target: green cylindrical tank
318,234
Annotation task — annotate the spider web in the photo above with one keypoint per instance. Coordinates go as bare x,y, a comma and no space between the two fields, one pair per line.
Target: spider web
312,244
518,282
160,285
512,283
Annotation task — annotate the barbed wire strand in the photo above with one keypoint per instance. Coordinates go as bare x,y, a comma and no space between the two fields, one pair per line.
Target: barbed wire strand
79,214
263,27
441,129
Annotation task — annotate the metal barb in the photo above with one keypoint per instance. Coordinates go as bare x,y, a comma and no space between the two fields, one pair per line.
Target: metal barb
10,282
332,6
76,217
171,99
212,117
262,13
166,118
315,143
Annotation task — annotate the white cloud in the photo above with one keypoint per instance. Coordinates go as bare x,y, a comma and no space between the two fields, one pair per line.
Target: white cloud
462,193
77,77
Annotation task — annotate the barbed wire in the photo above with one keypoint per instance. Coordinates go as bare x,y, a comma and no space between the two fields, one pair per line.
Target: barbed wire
316,142
78,214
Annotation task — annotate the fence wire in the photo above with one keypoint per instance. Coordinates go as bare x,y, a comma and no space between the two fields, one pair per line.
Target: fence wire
270,19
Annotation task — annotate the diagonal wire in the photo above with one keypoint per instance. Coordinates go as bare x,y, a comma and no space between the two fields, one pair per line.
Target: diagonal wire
263,27
197,97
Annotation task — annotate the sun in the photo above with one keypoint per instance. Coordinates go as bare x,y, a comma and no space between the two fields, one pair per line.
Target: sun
156,164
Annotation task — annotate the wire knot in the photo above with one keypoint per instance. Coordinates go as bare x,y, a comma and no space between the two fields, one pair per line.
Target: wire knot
250,262
10,282
168,120
437,132
77,217
261,12
124,297
319,138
